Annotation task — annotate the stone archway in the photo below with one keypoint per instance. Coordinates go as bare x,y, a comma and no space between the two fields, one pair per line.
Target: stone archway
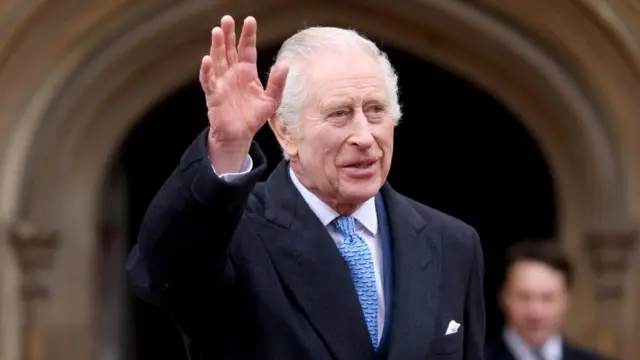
113,60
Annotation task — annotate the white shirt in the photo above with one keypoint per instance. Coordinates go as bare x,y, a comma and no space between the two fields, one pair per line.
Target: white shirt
551,349
366,227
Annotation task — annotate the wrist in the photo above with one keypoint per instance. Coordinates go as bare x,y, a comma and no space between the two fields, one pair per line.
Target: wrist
227,157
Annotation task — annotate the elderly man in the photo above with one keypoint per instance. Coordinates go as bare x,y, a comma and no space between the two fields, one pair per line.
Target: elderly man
324,260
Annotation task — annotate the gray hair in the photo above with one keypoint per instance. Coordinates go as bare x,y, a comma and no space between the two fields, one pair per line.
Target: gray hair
308,42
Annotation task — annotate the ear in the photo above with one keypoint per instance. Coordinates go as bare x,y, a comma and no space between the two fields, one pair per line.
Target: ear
286,139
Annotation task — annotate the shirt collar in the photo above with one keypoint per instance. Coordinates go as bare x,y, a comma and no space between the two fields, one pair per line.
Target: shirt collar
365,214
551,349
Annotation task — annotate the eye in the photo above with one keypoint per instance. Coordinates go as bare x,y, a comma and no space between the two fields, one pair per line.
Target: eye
375,109
340,114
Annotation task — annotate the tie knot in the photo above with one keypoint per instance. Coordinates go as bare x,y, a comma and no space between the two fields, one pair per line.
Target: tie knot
346,225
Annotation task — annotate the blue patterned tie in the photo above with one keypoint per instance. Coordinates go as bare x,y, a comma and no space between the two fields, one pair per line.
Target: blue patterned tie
356,253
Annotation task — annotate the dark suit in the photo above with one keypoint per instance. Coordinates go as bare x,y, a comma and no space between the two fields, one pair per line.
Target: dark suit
247,271
499,351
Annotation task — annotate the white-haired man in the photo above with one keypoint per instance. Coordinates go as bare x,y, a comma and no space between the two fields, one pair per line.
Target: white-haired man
324,260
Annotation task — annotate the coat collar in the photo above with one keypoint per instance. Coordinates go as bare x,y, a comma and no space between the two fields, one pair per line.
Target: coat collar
416,254
365,214
312,268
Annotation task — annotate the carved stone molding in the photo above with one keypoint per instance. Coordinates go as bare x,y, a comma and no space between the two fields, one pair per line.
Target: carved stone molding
34,249
609,251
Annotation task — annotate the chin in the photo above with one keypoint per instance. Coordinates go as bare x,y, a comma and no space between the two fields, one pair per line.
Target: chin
360,191
537,338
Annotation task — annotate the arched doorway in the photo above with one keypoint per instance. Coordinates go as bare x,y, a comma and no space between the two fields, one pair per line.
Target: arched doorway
66,117
457,149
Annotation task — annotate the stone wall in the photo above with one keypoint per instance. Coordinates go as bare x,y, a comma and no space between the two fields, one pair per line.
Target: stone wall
74,78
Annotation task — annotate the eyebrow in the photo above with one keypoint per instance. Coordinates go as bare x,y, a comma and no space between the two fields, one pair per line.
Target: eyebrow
332,104
336,104
381,98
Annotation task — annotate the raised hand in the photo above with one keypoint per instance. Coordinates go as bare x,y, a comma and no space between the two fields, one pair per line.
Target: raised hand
237,103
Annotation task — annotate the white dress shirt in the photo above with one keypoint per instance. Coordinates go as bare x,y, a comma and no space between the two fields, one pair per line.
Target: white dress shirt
550,350
366,227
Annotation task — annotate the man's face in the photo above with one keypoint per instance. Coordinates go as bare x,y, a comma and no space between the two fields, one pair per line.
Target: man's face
534,300
345,141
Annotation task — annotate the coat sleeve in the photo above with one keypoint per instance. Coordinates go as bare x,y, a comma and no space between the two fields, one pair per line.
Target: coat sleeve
180,261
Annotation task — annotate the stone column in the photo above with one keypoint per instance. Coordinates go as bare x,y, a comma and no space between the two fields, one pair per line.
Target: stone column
609,251
34,251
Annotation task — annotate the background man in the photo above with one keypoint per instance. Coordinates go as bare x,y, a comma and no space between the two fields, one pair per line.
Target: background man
534,299
324,260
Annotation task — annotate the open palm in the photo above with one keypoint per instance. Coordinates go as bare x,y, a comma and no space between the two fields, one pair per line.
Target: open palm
237,103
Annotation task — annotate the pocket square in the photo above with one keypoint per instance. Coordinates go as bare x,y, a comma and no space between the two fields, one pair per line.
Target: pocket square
452,328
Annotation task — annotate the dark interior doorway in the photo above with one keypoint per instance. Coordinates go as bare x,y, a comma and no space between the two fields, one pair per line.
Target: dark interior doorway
457,150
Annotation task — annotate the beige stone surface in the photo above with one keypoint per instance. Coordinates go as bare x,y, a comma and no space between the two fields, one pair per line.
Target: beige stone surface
76,76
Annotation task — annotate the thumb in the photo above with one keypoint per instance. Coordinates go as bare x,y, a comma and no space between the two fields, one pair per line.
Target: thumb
276,82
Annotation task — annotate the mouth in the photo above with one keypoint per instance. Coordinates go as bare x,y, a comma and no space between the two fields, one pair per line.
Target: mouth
364,164
361,169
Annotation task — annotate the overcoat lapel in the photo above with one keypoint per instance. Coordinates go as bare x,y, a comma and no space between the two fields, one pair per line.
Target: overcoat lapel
312,268
416,265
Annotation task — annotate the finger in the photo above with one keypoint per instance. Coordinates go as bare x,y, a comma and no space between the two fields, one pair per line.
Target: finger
276,82
205,75
247,45
229,30
219,56
212,49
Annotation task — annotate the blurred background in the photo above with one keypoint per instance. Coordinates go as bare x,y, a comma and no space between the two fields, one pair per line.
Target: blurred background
526,113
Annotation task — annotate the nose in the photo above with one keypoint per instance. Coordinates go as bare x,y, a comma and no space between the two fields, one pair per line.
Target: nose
537,309
362,136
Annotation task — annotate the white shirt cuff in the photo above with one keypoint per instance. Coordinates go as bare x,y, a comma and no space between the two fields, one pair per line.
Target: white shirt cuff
246,167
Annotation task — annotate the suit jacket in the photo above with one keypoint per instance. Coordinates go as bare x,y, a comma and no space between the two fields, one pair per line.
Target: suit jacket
500,351
247,271
387,273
